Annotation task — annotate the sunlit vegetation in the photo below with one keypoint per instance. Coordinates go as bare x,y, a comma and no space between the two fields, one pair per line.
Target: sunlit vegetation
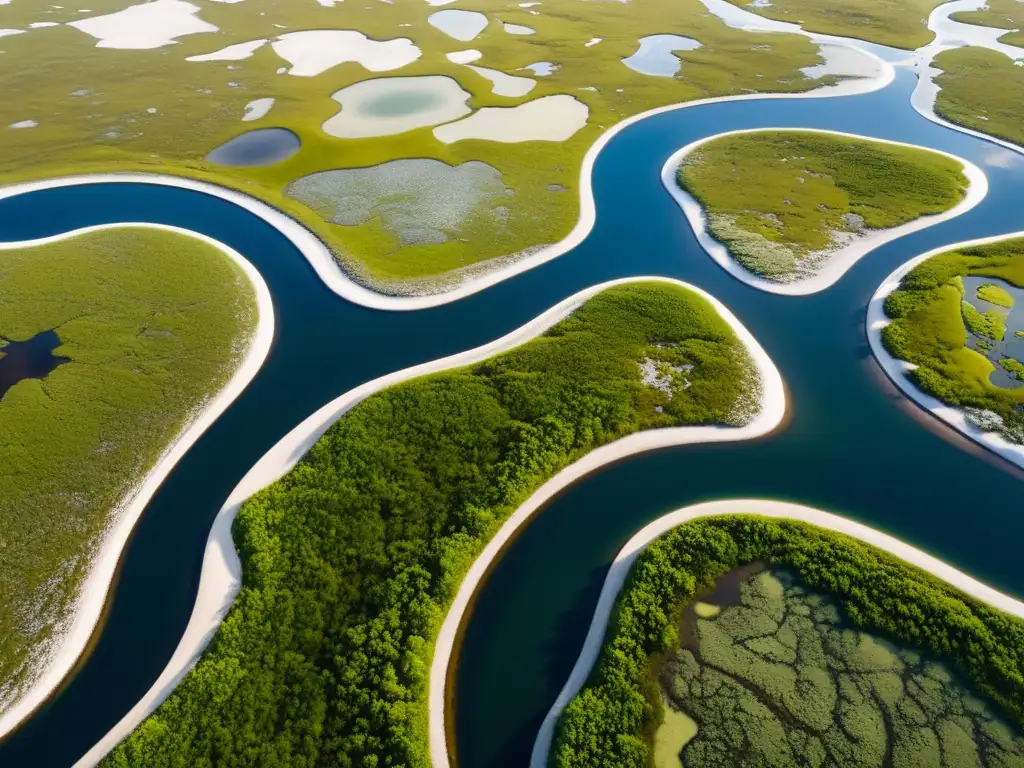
1001,14
931,322
780,679
153,323
782,201
1013,367
995,294
613,718
350,561
104,109
982,90
899,23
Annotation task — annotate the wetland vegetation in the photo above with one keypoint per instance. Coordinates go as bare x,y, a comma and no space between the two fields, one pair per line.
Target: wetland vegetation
981,90
350,561
783,202
956,339
811,660
149,324
103,109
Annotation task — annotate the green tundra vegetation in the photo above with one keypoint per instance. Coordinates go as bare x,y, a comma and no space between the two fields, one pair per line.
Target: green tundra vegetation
103,109
614,718
779,679
933,323
152,323
351,560
783,201
995,294
1001,14
897,23
981,90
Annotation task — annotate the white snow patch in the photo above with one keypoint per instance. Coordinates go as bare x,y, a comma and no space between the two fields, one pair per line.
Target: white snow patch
549,118
235,52
461,25
24,124
256,109
519,29
314,51
149,25
463,57
506,85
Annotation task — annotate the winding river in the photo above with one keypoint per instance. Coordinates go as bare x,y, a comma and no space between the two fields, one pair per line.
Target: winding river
853,445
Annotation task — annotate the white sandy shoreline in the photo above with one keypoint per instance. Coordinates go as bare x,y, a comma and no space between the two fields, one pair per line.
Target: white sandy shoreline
837,263
896,369
620,567
336,279
92,595
221,572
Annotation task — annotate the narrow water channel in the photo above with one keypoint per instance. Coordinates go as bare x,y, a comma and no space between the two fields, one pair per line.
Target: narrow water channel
853,446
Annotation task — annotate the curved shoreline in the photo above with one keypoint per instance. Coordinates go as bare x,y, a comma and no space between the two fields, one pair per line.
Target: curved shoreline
620,567
897,369
837,263
87,607
336,279
220,578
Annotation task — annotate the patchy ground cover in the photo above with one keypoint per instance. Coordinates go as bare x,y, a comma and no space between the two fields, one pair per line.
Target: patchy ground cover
1001,14
779,678
147,325
897,23
982,90
784,202
957,339
350,560
774,675
102,109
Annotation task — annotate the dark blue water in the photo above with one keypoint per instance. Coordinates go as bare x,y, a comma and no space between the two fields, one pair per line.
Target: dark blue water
264,146
29,359
853,445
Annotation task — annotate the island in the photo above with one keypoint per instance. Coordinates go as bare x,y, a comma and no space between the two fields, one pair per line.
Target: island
748,640
948,328
113,343
792,210
982,89
350,561
317,108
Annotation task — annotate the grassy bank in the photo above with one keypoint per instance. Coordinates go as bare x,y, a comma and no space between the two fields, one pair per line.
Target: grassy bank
93,107
933,322
982,90
783,201
898,23
1000,14
350,561
612,719
153,323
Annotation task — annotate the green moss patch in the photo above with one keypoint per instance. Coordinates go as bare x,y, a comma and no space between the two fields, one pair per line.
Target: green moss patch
782,201
153,323
931,323
982,90
770,679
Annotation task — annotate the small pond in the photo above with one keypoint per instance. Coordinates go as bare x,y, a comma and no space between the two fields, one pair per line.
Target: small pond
655,55
387,106
462,25
541,68
1012,343
29,359
265,146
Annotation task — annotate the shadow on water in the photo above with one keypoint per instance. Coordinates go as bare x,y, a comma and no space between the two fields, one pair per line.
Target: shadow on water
29,359
846,449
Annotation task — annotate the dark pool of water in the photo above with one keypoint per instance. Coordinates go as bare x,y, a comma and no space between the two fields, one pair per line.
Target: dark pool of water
853,445
264,146
29,359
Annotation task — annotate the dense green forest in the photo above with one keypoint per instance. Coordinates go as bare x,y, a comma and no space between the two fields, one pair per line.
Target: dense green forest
153,323
610,721
350,561
931,320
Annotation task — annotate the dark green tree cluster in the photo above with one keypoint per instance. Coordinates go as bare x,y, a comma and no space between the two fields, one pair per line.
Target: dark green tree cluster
351,560
610,721
929,330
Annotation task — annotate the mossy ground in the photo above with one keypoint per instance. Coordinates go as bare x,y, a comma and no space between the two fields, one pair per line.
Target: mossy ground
931,320
781,679
782,200
897,23
199,105
982,90
153,323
